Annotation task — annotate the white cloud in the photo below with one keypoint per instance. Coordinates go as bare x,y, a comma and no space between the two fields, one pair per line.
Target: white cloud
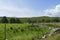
13,11
27,12
53,11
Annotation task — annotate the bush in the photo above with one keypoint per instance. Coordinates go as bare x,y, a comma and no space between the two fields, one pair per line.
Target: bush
33,26
11,28
15,30
22,30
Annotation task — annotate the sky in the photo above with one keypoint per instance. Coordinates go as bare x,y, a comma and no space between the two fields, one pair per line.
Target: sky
30,8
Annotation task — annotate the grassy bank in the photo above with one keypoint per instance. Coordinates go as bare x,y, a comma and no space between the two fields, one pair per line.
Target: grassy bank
23,31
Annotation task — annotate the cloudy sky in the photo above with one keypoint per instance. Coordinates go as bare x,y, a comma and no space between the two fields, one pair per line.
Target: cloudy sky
29,8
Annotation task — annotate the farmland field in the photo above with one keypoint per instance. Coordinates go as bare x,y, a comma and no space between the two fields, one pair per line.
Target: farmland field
25,31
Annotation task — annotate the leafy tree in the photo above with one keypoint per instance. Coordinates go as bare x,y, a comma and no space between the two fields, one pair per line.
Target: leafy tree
12,20
17,20
4,20
56,19
43,20
29,21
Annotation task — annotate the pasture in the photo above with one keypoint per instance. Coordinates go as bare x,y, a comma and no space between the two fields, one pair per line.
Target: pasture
25,31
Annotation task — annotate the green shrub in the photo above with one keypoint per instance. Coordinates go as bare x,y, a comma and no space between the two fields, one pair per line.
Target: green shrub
11,28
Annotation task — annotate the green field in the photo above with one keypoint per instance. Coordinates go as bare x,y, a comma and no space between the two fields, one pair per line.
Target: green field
25,31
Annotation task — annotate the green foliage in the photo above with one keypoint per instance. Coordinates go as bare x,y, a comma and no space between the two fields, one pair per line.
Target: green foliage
56,19
23,31
17,20
29,20
12,20
4,20
11,28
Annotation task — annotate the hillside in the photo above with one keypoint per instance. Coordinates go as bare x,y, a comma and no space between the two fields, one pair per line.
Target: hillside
22,31
45,19
26,31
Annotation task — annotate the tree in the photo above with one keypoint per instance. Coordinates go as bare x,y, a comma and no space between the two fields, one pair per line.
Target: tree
4,20
43,20
29,21
17,20
12,20
56,20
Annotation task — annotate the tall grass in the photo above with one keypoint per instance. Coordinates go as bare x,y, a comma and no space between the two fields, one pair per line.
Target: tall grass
23,31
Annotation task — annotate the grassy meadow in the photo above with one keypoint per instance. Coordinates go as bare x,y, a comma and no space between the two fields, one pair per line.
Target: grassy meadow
25,31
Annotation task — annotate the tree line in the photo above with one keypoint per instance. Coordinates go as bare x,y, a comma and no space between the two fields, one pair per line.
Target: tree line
29,20
9,20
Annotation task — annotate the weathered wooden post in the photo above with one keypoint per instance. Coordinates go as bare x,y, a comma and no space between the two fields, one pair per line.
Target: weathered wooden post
5,31
4,21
